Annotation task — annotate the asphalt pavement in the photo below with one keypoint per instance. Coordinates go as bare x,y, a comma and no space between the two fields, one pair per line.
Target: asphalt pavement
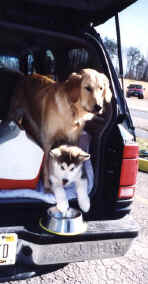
139,114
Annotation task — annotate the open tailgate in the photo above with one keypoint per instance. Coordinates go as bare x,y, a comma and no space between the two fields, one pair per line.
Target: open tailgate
64,11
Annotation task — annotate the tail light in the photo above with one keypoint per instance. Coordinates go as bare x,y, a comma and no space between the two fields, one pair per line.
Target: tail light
129,169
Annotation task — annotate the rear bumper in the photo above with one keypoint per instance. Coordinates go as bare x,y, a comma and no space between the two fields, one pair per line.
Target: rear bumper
36,251
78,251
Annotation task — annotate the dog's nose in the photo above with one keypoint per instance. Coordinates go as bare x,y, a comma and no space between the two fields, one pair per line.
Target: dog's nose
64,180
97,108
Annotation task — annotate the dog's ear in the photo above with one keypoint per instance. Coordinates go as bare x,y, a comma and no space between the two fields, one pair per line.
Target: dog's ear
55,153
73,87
83,156
107,92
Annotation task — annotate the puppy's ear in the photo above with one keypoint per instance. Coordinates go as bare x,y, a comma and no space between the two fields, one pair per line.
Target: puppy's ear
107,92
55,153
83,156
73,87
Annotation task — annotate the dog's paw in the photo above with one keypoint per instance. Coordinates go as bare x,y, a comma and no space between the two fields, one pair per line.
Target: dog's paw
85,118
63,206
88,116
47,186
47,189
85,204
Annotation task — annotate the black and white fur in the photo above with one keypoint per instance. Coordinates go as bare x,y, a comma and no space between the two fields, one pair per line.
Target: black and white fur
66,166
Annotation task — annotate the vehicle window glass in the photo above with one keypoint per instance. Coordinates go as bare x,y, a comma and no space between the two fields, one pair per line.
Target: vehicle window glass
72,59
9,62
51,61
135,86
78,57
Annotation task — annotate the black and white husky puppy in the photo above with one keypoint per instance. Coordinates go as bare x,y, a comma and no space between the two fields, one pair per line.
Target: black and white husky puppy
66,166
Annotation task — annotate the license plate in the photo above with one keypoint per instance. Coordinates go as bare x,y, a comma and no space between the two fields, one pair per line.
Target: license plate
8,243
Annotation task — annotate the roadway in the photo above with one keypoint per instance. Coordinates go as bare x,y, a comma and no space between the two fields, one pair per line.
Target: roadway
139,114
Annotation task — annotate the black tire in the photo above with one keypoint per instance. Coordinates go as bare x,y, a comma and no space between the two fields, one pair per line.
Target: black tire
141,97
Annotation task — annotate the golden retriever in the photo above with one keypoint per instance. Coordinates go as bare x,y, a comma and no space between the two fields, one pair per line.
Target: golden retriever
51,112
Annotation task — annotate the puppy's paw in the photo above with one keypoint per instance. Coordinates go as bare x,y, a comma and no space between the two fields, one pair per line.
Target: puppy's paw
84,204
63,206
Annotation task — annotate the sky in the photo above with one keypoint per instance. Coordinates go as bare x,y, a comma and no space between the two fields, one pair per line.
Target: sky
133,27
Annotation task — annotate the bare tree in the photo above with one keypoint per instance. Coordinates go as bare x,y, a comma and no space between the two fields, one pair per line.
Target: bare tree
137,64
111,47
133,57
145,73
140,67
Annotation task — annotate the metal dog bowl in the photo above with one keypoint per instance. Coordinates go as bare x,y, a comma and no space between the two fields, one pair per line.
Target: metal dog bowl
69,224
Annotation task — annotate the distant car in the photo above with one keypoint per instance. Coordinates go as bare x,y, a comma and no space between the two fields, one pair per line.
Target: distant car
135,91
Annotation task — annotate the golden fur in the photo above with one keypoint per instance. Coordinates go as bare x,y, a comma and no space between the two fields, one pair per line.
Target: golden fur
51,112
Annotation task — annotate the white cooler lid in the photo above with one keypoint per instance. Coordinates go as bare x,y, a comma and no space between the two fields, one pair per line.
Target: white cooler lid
20,157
